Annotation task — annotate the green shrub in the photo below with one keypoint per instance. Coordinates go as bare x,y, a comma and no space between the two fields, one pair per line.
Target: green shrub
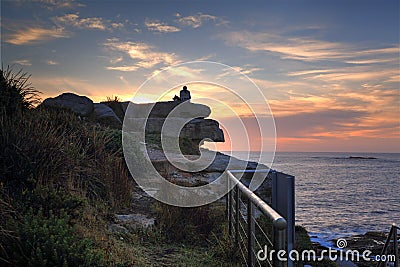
51,241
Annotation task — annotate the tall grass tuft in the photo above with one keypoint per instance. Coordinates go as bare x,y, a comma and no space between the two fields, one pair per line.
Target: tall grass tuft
16,92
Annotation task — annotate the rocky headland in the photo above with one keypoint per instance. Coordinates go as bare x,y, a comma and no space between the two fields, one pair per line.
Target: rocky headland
153,115
112,113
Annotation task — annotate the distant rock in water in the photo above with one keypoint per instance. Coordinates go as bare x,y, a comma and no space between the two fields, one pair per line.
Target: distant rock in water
81,105
358,157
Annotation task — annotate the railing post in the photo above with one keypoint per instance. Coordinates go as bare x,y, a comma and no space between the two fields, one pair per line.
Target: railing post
380,263
250,234
237,208
230,212
279,244
395,246
226,205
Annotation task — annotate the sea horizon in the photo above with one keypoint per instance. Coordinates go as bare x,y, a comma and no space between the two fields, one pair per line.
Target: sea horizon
260,151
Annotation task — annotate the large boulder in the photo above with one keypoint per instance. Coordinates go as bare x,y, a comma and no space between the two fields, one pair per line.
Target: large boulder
81,105
104,114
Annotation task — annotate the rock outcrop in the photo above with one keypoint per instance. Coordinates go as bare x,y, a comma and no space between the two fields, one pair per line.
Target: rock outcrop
81,105
84,107
186,115
199,129
150,116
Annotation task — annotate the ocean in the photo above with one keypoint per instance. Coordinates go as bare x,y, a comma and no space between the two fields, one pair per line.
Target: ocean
342,194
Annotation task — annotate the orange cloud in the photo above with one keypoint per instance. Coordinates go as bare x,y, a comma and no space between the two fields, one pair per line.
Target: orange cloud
294,48
97,23
145,55
157,26
32,35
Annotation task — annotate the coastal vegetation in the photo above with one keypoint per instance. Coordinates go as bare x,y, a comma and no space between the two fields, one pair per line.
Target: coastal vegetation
63,179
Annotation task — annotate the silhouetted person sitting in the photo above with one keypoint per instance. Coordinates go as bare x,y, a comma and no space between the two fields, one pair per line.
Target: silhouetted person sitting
184,94
176,98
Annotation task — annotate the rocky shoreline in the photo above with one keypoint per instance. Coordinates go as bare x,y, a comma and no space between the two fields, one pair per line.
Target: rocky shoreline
373,241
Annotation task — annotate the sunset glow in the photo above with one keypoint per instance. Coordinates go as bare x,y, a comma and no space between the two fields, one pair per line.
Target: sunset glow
329,70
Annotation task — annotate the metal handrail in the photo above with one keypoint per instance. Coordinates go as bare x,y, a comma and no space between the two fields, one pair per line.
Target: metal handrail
392,232
279,223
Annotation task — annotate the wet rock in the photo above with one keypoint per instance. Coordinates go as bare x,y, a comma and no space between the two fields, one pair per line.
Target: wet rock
372,241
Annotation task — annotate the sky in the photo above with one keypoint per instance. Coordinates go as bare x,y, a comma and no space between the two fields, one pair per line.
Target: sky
328,71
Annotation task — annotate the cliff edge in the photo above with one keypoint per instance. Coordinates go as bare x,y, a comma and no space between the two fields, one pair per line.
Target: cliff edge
152,115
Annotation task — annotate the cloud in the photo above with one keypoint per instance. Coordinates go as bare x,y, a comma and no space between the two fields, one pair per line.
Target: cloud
51,62
157,26
144,55
308,48
23,62
318,123
96,23
175,74
339,130
206,57
299,48
117,25
246,69
343,114
51,4
370,61
35,34
195,21
116,60
123,68
354,73
307,72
